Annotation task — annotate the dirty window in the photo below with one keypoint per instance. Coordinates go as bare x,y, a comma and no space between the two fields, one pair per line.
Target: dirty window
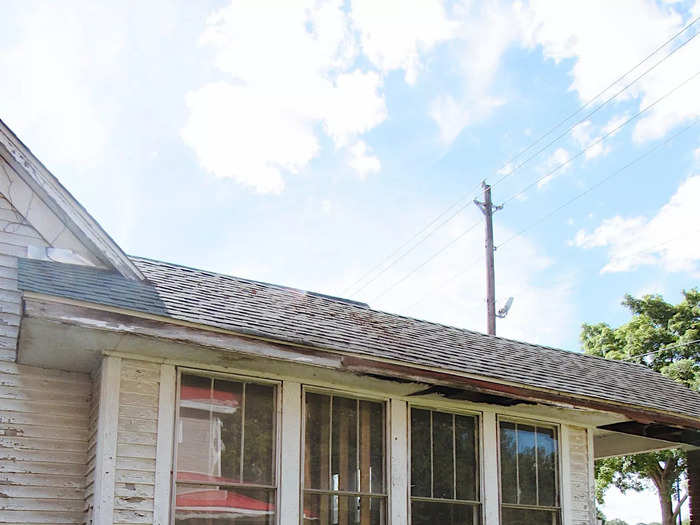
225,464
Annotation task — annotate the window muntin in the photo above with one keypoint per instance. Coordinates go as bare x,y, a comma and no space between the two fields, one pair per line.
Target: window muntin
344,461
444,468
225,466
529,467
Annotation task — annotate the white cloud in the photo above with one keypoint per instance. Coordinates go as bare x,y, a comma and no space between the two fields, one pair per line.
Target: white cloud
559,161
362,160
290,68
665,240
588,31
585,137
395,34
483,34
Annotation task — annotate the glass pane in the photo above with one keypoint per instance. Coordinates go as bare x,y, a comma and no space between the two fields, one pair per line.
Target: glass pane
228,398
443,459
259,436
323,509
465,454
317,442
433,513
547,466
527,466
509,473
344,440
420,453
371,447
212,505
199,436
529,517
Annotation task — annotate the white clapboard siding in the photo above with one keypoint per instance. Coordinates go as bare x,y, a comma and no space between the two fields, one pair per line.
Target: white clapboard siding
15,235
136,442
43,444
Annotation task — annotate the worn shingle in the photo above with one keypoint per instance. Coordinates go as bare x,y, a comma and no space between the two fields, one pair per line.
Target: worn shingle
296,316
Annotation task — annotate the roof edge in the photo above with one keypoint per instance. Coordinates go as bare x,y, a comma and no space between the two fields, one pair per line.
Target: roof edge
69,210
358,363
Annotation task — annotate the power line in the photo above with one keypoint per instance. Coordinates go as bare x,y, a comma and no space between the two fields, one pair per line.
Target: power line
383,271
425,229
617,80
602,138
675,345
649,152
424,263
599,183
567,203
588,115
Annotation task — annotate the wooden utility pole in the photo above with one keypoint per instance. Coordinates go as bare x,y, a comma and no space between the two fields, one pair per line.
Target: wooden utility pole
488,209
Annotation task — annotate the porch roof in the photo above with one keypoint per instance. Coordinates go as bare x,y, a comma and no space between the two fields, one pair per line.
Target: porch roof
315,320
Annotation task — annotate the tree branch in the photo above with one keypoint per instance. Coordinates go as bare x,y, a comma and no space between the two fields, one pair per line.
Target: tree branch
679,505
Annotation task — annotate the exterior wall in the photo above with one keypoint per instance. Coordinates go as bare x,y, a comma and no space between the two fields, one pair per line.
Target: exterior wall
136,442
136,488
581,487
43,444
15,235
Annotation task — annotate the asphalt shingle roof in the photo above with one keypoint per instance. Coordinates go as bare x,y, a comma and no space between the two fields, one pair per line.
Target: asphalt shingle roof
296,316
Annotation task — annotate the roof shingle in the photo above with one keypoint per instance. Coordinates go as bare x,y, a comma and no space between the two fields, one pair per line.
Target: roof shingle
311,319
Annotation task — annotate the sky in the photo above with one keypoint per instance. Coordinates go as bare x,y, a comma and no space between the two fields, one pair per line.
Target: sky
314,143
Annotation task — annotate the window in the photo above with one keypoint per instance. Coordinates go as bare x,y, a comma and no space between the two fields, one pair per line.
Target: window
344,461
444,469
529,474
225,458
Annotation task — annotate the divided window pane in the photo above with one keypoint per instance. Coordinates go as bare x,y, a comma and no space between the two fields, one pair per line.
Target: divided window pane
529,480
444,468
226,441
344,457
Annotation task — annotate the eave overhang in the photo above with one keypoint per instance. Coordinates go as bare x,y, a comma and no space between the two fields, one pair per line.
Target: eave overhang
117,320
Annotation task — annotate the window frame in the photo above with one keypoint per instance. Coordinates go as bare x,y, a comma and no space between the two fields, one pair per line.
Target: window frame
479,452
558,475
362,396
277,385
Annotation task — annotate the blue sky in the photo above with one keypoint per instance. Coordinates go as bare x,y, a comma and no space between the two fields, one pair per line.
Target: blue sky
303,142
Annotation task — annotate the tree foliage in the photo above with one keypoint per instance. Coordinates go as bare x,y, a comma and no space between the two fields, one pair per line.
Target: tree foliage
665,338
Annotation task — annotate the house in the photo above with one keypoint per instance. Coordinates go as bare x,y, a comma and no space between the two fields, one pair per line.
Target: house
140,391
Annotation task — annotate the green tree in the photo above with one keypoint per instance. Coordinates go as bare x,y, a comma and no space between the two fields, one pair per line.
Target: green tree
666,338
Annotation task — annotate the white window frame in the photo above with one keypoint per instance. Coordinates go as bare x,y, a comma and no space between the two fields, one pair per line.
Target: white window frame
277,384
558,471
479,441
385,401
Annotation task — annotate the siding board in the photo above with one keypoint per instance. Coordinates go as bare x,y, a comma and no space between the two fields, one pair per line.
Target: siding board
43,444
136,442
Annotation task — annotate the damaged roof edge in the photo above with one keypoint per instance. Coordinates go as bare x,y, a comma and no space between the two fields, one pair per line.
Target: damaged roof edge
104,317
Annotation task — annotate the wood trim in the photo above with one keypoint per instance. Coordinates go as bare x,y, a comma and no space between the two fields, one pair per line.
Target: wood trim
591,474
106,452
290,457
489,465
164,445
398,466
565,488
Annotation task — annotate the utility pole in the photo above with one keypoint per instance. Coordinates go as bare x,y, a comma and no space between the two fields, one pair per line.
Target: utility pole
488,209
